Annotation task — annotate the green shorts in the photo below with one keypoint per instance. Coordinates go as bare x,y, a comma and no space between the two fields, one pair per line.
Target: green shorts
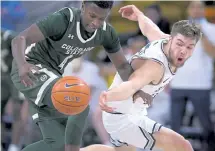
44,113
39,95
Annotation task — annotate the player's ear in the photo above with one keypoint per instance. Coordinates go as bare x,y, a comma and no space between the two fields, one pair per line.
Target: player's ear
170,37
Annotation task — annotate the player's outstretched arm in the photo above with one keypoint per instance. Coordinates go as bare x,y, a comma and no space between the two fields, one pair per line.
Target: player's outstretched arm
24,39
150,29
150,71
147,27
112,46
52,26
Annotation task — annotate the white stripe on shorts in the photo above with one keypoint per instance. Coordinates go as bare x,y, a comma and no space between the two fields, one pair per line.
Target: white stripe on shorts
45,84
150,140
156,127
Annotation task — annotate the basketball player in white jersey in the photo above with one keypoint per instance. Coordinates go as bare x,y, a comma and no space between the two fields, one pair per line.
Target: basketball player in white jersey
155,65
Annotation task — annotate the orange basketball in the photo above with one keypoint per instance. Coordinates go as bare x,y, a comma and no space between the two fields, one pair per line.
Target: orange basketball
70,95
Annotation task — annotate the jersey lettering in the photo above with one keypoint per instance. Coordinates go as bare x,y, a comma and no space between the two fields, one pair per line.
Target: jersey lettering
157,91
75,50
71,51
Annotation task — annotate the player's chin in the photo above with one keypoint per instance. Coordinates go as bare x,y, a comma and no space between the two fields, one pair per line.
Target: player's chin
178,65
90,30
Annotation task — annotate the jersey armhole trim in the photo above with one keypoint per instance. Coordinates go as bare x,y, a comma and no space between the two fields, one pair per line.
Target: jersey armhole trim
71,14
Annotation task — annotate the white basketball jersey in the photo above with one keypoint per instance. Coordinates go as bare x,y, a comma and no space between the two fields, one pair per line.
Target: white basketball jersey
152,51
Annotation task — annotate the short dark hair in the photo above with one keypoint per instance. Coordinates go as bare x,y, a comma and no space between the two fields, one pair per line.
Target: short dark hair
186,28
102,4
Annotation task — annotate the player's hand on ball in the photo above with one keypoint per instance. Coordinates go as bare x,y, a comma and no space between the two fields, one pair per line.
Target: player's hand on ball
26,73
147,99
130,12
103,102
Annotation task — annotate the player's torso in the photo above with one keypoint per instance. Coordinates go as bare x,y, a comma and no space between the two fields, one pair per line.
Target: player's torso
152,51
59,53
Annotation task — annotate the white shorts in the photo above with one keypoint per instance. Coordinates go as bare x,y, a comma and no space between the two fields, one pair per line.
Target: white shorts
135,130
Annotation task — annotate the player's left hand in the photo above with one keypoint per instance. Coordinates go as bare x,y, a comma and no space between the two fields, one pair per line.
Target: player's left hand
130,12
147,99
103,102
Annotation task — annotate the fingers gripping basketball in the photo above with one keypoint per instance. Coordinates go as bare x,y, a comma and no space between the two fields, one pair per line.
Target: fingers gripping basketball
70,95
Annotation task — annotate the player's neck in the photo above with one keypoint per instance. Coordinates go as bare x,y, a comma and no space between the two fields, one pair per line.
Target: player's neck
173,68
84,33
166,47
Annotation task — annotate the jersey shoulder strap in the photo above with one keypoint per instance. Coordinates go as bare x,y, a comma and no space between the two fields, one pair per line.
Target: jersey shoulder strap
68,12
153,50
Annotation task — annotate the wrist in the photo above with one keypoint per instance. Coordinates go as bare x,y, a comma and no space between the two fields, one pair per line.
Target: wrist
21,64
140,16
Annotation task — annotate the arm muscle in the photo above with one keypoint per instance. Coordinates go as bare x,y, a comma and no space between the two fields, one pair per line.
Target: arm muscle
149,71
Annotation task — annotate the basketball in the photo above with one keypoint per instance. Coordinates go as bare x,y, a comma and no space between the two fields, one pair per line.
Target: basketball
70,95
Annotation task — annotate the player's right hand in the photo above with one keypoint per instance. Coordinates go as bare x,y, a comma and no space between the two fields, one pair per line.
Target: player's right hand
130,12
26,74
103,102
147,98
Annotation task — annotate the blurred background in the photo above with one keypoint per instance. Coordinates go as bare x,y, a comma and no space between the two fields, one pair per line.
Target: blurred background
187,105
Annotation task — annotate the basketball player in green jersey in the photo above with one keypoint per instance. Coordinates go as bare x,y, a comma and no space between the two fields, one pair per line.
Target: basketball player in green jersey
53,42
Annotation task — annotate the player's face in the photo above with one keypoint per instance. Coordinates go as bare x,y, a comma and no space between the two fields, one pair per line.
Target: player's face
181,49
93,17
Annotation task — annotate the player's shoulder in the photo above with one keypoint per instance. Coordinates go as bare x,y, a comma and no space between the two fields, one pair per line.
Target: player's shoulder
159,42
107,27
157,49
69,13
109,33
153,50
156,46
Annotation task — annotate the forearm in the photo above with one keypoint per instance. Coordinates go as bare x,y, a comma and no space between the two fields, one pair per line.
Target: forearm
121,92
18,50
149,29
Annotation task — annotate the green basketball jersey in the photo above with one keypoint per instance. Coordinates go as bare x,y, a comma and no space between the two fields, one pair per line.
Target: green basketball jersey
64,40
6,53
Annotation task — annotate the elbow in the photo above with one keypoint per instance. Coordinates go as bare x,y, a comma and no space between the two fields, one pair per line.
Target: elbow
125,71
